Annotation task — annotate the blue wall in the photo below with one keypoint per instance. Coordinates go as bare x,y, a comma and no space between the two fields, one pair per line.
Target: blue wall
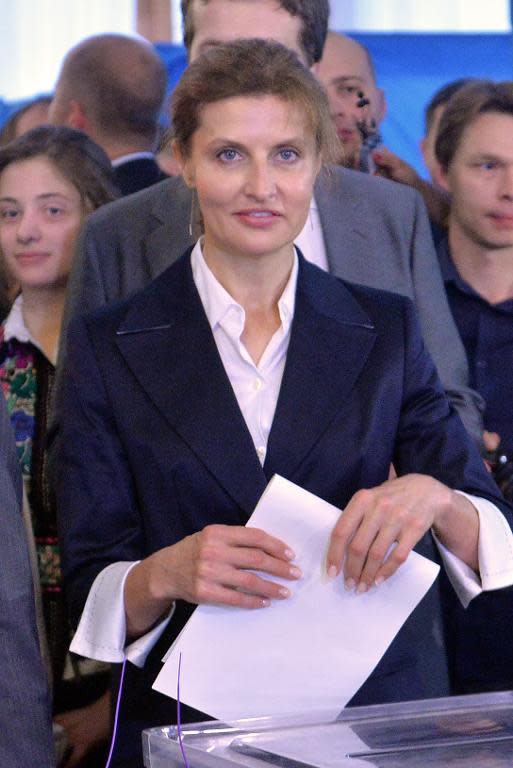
411,67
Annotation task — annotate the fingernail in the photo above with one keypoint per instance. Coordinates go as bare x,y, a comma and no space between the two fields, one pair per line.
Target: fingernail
379,581
361,588
332,572
295,572
289,554
265,603
349,584
284,592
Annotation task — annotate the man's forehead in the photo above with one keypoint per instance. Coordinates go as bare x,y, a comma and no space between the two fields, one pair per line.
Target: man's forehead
489,122
490,133
345,58
221,21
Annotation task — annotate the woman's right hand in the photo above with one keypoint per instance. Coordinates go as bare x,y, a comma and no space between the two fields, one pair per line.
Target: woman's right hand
215,566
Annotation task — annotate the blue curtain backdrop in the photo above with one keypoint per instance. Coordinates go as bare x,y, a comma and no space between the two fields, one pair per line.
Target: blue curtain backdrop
410,67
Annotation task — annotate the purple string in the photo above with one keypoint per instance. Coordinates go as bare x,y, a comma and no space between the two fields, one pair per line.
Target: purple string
179,715
116,716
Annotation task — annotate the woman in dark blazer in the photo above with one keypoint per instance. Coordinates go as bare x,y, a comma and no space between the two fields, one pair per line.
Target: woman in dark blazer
238,362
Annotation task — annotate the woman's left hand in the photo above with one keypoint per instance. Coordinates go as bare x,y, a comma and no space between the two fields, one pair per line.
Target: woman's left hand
86,728
399,512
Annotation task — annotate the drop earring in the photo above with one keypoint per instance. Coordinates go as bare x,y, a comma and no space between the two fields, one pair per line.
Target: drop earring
192,217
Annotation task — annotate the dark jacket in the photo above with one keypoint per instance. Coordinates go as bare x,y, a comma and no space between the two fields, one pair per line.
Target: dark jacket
153,446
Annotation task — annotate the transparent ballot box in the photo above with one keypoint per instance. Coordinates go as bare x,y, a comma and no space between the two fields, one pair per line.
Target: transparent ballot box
460,732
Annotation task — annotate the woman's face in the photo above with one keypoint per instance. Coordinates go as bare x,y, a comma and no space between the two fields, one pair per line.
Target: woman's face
40,216
253,162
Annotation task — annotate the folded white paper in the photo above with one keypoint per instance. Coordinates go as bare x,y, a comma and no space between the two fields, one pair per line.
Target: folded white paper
310,652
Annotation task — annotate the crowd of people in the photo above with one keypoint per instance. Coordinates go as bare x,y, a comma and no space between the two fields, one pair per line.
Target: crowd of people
170,341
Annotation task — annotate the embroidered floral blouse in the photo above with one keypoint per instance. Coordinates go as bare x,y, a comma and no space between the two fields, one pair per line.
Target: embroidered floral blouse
27,378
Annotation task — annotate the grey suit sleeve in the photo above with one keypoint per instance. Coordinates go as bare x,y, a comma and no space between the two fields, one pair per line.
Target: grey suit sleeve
25,718
438,328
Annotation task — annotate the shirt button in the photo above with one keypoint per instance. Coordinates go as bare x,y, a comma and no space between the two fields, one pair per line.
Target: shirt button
261,453
257,384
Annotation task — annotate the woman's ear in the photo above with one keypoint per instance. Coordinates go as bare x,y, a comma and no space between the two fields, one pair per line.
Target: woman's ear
184,164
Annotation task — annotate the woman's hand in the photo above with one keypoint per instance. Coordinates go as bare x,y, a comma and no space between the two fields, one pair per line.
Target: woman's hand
216,566
399,512
86,728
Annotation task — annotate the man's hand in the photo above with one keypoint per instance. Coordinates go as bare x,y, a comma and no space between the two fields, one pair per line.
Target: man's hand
392,167
491,440
396,515
215,566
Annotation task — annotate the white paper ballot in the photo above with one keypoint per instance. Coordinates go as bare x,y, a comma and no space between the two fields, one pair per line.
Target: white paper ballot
309,652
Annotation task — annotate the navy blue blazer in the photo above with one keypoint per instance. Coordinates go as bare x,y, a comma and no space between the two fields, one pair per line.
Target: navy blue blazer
153,445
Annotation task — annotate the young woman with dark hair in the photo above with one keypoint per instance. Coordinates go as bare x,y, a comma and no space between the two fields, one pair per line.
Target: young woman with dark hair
50,180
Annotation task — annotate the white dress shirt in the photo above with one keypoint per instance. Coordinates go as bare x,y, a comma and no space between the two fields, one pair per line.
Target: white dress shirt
122,159
256,387
101,633
15,328
310,240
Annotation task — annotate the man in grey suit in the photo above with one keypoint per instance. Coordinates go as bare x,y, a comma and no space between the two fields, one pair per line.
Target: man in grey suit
372,231
25,717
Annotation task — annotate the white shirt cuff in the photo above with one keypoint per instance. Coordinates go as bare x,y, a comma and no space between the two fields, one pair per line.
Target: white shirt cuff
101,633
495,554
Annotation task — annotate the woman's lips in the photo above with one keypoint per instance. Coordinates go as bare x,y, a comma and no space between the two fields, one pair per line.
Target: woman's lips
31,256
258,217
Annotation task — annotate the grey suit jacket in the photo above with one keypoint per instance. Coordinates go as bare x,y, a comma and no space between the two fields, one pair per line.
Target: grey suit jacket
376,233
25,718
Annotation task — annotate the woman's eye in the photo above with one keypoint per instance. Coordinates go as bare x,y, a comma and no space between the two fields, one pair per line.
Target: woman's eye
54,211
228,155
490,165
289,155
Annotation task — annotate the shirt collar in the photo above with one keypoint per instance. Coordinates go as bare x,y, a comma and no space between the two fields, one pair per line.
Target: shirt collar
449,270
122,159
217,302
14,325
450,275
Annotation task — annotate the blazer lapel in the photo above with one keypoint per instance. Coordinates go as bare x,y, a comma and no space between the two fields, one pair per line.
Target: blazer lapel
187,381
168,234
346,223
331,339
